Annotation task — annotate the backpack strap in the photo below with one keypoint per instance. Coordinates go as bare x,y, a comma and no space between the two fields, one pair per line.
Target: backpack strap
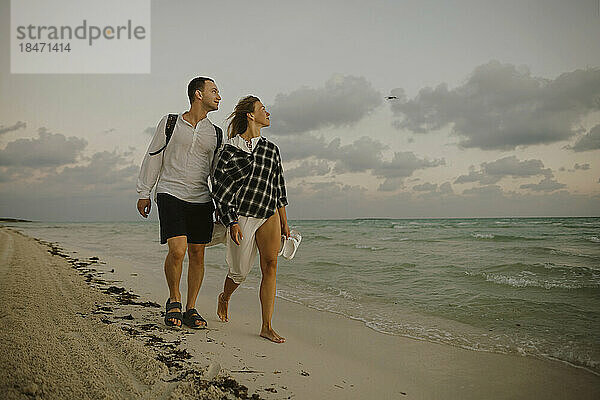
219,133
169,128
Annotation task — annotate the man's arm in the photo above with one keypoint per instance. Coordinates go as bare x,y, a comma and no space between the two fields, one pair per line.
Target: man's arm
151,166
215,161
229,175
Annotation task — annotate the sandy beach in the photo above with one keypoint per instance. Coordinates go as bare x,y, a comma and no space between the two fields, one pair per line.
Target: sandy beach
68,333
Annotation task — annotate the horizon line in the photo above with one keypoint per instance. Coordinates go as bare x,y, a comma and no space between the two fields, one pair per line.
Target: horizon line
23,220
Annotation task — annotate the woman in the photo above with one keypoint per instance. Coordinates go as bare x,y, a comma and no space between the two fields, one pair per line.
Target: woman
249,191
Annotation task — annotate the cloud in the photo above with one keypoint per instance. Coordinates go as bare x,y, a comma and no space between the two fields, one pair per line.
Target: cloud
5,175
299,147
485,191
492,172
587,142
433,190
102,174
545,185
308,168
100,188
323,193
426,187
403,165
582,167
50,170
17,126
15,173
342,101
332,189
47,149
512,166
328,200
391,184
446,188
361,155
476,176
105,173
501,106
150,130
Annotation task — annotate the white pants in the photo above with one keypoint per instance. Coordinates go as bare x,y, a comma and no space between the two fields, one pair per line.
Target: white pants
240,258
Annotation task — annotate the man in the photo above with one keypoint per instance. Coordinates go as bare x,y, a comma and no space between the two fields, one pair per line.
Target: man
179,164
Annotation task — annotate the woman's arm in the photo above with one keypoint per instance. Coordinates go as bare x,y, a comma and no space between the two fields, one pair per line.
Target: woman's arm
285,229
282,198
282,194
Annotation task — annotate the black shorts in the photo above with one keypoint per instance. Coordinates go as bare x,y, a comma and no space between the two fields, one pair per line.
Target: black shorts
182,218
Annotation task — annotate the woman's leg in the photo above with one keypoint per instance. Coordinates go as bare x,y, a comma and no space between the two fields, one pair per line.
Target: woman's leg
268,239
223,300
240,259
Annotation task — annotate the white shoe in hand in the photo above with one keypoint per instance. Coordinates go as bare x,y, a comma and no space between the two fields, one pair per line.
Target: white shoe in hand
290,245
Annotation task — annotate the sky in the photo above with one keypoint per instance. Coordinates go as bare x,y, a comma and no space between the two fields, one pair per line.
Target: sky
383,109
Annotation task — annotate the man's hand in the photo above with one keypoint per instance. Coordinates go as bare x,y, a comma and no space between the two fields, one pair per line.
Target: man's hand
143,206
236,233
285,230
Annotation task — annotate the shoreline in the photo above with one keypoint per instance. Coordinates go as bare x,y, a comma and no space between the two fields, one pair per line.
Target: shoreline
382,332
332,356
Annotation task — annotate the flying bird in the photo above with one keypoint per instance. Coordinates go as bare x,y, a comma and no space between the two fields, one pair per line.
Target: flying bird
391,97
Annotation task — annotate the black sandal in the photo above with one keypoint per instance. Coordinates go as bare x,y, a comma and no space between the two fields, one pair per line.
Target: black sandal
177,315
191,316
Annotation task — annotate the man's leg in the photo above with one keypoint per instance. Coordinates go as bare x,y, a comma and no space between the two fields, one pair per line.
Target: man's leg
173,266
268,239
195,275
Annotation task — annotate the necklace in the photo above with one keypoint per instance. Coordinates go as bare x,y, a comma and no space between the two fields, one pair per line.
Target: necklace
248,143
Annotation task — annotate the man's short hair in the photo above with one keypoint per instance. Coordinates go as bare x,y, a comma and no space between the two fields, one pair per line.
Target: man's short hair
196,84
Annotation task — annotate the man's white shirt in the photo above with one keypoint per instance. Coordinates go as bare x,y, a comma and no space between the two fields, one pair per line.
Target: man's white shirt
182,169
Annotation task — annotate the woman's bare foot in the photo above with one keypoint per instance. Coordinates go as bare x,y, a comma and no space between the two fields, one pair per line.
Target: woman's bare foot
269,333
222,308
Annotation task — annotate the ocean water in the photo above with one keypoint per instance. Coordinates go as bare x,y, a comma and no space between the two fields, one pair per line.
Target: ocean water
528,286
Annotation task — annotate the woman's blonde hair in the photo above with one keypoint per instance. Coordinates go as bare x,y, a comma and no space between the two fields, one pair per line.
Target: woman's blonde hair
238,118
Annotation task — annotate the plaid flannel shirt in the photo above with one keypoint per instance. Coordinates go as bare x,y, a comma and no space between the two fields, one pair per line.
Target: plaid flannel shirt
249,184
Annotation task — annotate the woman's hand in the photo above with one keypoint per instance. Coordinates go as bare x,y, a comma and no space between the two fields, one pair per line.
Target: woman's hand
236,233
285,229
